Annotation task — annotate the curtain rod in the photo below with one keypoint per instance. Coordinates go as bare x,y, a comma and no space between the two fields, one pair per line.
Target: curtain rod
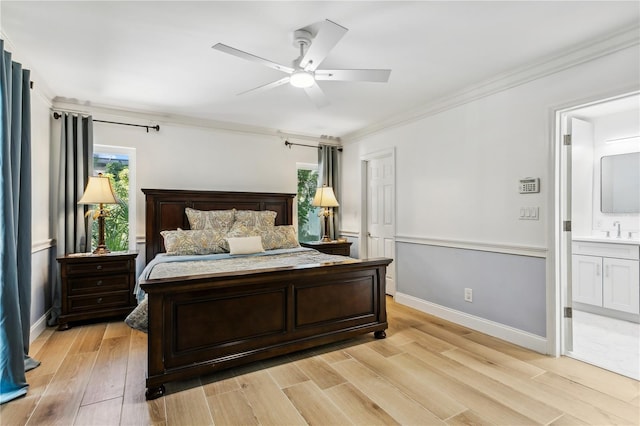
289,144
57,115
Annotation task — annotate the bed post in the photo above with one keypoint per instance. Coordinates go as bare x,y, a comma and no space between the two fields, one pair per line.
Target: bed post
155,347
382,302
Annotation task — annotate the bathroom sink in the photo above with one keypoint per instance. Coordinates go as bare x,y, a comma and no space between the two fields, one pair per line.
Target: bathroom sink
610,240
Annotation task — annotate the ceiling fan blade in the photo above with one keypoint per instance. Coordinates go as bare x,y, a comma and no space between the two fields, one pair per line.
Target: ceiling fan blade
326,38
316,94
377,76
267,86
253,58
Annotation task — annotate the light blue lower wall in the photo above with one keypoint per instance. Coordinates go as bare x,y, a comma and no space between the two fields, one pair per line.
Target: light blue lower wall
508,289
41,262
355,246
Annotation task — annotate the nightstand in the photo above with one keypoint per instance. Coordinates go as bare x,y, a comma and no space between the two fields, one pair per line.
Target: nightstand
96,286
342,248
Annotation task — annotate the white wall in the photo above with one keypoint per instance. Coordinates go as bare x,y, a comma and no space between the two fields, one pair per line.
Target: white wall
42,252
458,170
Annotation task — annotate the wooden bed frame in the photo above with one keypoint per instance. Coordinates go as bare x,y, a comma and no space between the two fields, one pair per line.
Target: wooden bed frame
201,324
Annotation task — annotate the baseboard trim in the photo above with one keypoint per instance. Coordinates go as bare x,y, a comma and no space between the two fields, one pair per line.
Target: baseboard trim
38,327
501,331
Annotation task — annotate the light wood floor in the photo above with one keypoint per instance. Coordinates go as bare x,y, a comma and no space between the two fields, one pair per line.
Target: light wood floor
427,371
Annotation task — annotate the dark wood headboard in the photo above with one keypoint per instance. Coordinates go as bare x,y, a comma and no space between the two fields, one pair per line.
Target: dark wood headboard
165,209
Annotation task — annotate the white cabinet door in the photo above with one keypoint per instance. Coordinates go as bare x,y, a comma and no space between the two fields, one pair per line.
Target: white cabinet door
620,285
586,286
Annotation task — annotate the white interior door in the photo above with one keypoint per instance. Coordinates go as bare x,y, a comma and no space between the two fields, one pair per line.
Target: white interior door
381,213
565,235
577,163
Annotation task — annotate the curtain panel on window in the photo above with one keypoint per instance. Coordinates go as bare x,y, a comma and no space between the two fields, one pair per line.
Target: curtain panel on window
15,229
329,174
74,166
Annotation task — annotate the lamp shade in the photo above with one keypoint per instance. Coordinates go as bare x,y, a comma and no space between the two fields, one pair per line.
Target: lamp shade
98,191
325,198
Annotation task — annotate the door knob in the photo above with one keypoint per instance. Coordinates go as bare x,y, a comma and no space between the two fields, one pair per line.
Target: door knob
369,234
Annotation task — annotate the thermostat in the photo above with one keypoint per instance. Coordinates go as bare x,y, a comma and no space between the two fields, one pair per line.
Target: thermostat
529,185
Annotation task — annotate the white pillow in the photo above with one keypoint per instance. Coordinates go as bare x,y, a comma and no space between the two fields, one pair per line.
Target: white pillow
245,245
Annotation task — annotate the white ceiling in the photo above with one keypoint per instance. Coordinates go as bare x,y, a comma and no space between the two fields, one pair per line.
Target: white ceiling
156,56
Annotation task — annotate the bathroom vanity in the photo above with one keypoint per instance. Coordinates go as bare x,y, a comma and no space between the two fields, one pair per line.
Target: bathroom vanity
606,276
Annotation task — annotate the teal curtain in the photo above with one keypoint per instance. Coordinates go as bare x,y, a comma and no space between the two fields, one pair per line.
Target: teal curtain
329,175
74,166
15,229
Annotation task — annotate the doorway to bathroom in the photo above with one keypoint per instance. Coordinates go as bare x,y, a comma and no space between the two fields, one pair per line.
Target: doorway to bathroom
599,243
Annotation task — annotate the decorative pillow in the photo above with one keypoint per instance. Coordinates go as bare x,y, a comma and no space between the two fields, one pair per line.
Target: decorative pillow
279,237
254,218
210,219
138,318
238,230
199,241
245,245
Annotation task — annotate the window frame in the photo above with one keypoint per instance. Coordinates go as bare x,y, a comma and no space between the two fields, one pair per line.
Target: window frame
311,167
131,154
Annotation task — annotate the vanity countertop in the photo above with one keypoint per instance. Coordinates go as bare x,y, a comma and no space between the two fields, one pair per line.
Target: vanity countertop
609,240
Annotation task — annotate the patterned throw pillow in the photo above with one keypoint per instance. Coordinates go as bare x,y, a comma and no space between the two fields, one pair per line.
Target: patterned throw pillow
254,218
239,230
199,241
279,237
274,237
210,219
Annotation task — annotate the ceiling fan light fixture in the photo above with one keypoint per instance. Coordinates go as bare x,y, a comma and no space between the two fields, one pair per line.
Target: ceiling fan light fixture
302,79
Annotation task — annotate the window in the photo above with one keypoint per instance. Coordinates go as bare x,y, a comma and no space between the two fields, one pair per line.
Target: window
308,219
118,164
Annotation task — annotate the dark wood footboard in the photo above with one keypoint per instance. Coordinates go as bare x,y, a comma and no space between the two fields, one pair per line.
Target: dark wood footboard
198,325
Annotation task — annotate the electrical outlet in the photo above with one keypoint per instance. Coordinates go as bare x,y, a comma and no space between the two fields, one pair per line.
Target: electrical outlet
468,295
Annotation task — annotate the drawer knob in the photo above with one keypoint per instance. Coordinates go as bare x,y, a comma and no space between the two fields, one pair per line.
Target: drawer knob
99,267
99,300
99,282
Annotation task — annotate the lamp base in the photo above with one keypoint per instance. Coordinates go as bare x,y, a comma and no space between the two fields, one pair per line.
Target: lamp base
326,239
101,249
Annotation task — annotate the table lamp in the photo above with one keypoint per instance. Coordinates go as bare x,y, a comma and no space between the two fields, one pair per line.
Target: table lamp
99,191
326,199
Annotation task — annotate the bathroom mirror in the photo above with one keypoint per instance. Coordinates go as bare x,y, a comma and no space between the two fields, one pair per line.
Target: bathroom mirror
620,183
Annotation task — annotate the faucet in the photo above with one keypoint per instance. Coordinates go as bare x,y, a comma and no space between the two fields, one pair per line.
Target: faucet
617,223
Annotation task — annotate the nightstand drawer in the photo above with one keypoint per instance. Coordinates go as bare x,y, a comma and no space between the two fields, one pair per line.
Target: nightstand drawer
342,251
99,301
97,267
342,248
98,283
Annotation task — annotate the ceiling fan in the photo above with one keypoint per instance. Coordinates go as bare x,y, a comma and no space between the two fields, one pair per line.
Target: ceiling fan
304,72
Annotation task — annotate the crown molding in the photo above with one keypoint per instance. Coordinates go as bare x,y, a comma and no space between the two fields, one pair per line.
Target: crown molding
576,55
153,118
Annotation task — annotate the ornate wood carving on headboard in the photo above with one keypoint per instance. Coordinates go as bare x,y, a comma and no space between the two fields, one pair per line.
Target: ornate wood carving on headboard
165,209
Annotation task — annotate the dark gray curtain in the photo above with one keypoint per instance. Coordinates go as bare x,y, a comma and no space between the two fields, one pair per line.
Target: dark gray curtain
15,230
74,166
329,174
